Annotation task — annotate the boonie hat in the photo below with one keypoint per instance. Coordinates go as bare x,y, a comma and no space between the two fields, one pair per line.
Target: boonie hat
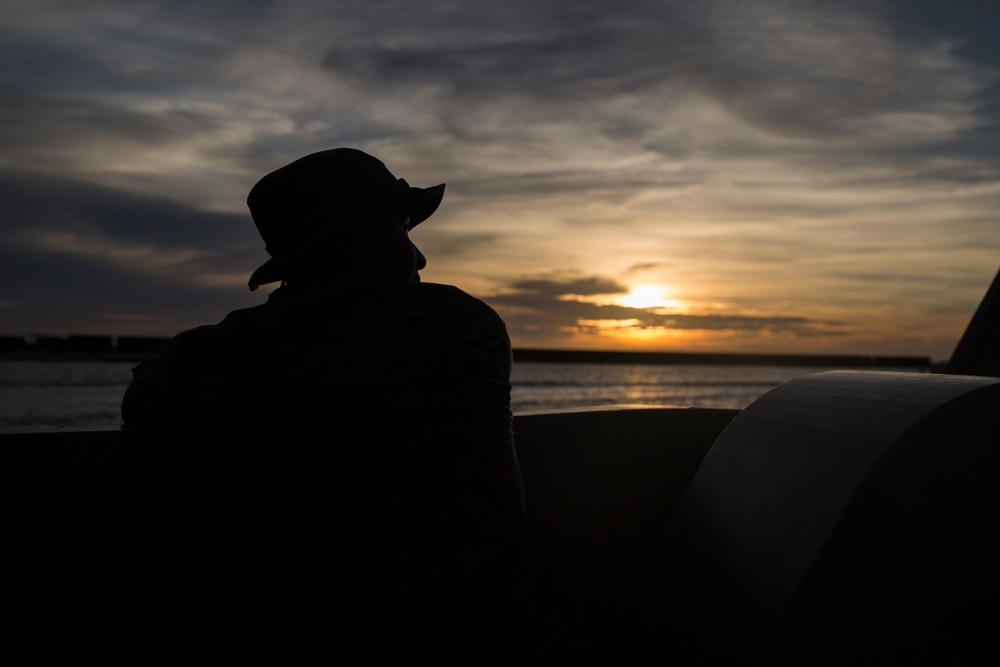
296,208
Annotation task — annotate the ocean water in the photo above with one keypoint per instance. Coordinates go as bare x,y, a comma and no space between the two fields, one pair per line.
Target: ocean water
86,395
551,386
50,395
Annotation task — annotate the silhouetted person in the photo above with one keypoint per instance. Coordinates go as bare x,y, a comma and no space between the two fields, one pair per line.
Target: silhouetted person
359,488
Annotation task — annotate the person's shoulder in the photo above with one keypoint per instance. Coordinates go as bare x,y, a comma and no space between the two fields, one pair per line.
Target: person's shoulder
243,316
451,298
191,338
210,339
452,333
449,294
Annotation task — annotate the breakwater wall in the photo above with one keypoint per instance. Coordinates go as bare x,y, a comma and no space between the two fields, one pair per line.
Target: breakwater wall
616,357
80,347
117,348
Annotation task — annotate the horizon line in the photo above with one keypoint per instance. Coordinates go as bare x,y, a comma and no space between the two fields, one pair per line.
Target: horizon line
112,347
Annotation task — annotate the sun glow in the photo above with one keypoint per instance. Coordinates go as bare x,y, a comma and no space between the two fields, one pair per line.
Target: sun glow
647,296
632,333
639,297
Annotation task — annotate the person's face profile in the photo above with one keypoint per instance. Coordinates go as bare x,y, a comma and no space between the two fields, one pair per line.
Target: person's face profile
383,250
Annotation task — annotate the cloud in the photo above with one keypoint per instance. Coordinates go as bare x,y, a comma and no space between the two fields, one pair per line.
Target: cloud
529,91
588,286
73,253
449,243
53,207
742,153
546,310
792,69
72,293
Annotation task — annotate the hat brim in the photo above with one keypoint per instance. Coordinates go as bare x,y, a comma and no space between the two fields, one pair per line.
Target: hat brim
422,202
270,271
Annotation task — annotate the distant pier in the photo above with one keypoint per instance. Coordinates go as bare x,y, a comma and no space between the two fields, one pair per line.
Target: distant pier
136,348
43,347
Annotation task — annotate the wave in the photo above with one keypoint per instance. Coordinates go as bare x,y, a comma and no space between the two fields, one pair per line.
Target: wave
99,418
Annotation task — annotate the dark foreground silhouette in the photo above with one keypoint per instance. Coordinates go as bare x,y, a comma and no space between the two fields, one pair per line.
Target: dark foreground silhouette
844,518
344,471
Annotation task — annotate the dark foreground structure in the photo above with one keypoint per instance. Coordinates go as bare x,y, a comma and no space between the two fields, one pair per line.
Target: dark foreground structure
847,517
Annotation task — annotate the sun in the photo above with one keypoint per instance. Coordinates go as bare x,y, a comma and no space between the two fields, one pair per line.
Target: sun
647,296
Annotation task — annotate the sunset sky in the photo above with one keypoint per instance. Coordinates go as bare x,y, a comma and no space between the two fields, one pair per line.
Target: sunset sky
764,176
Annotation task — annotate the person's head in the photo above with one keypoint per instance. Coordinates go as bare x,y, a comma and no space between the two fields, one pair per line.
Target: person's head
339,213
